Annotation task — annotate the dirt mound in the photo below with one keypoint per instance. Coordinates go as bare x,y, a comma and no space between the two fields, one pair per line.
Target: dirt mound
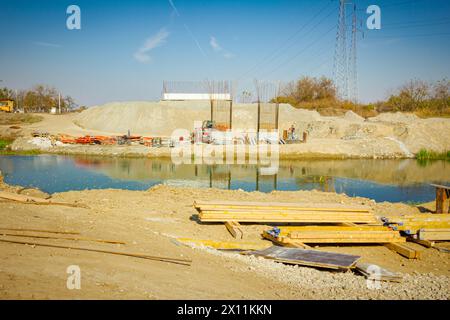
351,116
161,118
397,117
151,118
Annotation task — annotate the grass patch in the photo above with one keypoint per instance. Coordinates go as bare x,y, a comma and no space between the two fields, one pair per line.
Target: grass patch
18,118
431,155
4,143
425,156
5,148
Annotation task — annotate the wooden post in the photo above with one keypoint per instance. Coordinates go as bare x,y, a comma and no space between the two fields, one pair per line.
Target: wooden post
258,126
277,111
439,200
305,136
285,135
212,113
231,114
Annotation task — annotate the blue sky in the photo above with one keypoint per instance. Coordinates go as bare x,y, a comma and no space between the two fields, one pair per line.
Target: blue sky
125,49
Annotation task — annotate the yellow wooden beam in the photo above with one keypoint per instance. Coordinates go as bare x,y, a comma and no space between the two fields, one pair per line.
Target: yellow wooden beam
425,243
235,229
404,250
238,245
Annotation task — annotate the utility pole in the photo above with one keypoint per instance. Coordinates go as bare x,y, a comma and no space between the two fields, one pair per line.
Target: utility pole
340,70
59,102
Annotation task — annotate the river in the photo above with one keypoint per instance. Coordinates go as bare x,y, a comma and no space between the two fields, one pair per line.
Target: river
382,180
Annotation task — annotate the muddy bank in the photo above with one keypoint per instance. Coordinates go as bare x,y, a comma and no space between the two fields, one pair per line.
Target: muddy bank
150,221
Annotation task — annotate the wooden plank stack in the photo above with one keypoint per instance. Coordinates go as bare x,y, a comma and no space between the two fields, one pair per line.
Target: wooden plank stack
300,235
300,224
424,226
261,212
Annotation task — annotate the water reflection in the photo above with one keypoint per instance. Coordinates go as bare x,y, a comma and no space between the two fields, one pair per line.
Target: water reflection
382,180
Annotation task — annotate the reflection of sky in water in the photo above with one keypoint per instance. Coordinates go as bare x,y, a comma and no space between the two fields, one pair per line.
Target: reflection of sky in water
63,173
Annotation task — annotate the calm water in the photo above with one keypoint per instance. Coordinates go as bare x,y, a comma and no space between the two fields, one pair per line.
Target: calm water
382,180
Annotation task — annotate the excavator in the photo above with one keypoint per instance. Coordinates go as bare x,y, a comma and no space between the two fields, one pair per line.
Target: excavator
7,105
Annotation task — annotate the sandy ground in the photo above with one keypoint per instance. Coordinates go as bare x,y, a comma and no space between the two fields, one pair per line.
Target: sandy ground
150,221
350,136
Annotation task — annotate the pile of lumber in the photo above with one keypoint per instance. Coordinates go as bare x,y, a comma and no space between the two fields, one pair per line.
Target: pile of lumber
300,224
276,212
297,236
424,226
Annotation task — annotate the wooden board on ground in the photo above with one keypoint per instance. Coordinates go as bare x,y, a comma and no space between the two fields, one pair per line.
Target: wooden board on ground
226,245
404,250
425,243
35,200
312,258
235,229
374,272
442,249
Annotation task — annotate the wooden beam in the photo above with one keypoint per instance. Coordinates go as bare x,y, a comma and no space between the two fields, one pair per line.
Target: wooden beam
60,238
434,234
404,250
425,243
235,229
287,217
40,230
135,255
279,205
35,200
226,245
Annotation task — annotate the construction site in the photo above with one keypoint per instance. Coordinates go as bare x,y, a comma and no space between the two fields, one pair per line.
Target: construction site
201,195
228,235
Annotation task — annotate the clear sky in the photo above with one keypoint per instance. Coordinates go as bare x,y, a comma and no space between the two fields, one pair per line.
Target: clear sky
125,49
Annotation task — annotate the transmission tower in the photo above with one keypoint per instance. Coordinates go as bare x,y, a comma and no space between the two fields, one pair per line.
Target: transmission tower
352,69
340,71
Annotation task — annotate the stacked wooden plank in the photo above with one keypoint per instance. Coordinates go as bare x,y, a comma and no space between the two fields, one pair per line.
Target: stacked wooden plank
264,212
424,226
297,236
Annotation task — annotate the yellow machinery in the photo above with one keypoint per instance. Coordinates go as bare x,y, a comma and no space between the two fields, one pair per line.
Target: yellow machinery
6,105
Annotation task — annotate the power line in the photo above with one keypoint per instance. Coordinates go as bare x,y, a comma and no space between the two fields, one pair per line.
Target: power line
305,48
310,45
279,48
